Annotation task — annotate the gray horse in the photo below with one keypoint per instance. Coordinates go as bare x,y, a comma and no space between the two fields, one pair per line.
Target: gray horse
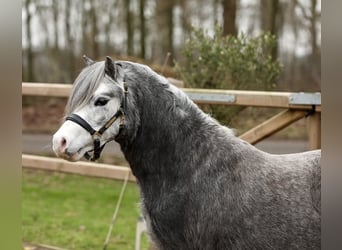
201,186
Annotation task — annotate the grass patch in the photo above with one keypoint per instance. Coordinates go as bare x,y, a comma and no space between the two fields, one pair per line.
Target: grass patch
74,212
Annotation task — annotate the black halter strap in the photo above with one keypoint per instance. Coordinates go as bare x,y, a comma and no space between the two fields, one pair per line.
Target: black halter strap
80,121
97,134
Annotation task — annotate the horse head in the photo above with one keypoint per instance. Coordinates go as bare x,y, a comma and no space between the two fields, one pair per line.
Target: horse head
94,110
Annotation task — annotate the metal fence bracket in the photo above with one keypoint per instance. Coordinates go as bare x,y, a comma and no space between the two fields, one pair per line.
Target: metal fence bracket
211,98
305,98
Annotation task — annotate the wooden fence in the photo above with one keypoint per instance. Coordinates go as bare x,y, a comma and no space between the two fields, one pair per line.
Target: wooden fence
296,106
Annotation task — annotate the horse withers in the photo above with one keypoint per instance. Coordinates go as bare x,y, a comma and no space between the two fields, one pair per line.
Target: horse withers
201,186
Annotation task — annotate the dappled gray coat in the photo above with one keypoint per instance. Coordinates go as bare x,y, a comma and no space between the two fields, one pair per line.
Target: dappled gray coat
204,188
201,186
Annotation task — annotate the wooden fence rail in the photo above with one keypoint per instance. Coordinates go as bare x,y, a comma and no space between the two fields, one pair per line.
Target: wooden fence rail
79,168
206,96
303,103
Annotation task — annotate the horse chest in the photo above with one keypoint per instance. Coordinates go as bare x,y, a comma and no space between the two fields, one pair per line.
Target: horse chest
165,209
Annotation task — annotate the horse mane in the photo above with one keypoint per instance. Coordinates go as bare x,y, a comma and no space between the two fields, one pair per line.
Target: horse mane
155,86
84,86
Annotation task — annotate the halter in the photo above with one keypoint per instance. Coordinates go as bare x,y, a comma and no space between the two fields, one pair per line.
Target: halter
96,135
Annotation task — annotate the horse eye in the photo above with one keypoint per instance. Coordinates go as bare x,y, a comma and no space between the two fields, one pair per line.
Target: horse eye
101,101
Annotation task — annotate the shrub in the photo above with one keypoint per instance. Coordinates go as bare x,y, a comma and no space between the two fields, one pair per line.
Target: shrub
228,62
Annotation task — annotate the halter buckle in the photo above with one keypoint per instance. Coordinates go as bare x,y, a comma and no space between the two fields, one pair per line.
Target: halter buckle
96,135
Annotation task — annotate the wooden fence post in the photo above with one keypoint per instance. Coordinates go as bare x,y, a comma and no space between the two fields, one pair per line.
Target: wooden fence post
314,130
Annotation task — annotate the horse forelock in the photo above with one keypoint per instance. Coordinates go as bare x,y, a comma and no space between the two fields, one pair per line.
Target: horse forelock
84,86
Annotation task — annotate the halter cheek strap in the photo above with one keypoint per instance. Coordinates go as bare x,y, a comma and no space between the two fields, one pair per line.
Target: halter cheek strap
96,134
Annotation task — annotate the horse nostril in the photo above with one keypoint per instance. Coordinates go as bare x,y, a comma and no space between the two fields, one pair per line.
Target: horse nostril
63,142
63,145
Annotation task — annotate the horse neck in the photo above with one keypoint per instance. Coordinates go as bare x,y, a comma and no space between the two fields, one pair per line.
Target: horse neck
168,123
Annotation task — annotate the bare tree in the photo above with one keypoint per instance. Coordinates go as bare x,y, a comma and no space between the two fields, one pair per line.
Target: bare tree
291,67
229,17
29,53
142,28
129,28
216,4
55,23
313,21
311,17
69,40
94,30
315,50
186,15
110,11
84,25
165,26
90,30
270,10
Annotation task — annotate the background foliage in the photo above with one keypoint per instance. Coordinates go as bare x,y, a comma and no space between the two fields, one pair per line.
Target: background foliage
55,34
228,62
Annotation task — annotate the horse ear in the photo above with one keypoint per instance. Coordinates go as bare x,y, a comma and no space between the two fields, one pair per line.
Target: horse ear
113,70
87,60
